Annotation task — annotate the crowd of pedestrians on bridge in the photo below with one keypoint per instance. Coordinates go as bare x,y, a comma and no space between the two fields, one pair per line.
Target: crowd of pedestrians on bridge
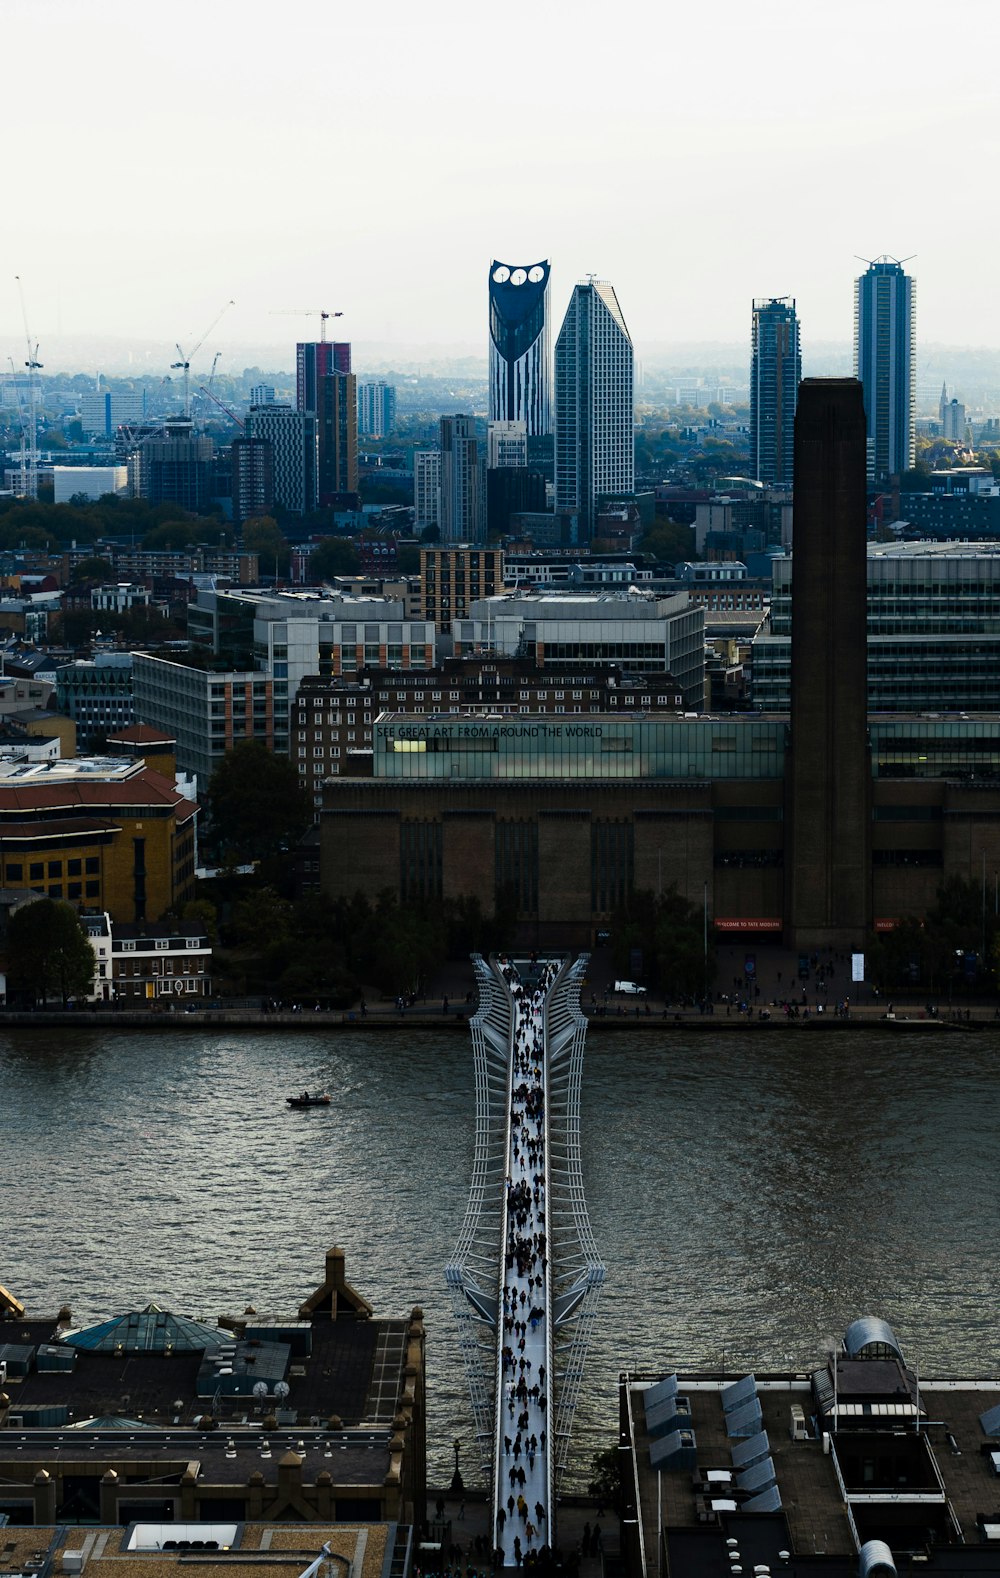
521,1515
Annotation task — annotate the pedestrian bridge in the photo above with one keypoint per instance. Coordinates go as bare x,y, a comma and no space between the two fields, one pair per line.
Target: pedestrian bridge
526,1275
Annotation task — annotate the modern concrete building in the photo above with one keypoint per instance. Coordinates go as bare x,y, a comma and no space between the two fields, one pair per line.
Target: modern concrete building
426,488
885,362
337,435
507,444
253,477
206,709
953,422
520,371
292,436
87,482
132,563
775,375
562,630
460,496
316,359
594,426
174,466
376,409
453,577
104,410
932,640
290,635
97,695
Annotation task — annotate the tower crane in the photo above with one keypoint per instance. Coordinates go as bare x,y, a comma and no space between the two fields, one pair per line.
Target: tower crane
223,407
184,365
309,312
29,453
24,426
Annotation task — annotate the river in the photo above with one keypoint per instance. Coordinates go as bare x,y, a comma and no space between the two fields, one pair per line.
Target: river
750,1195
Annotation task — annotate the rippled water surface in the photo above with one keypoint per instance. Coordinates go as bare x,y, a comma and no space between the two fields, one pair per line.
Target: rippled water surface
749,1196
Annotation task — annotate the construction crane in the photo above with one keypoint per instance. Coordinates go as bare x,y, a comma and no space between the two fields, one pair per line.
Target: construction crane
211,376
29,452
223,407
309,312
24,425
184,365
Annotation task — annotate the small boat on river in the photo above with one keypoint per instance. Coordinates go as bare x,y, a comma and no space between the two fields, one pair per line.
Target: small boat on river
319,1099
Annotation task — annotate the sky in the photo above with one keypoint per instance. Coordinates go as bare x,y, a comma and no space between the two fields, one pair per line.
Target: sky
373,158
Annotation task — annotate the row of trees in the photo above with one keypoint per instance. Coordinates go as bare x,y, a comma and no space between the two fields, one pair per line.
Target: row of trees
664,934
335,949
955,947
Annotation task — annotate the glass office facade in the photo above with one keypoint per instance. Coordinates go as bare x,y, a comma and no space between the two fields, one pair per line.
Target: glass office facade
595,747
962,749
933,631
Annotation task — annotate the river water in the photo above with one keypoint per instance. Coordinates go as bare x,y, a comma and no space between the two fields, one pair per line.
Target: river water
750,1194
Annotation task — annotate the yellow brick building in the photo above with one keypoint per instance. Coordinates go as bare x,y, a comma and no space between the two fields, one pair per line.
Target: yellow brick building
99,832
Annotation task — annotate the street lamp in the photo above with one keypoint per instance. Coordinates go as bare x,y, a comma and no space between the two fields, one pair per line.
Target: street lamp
456,1479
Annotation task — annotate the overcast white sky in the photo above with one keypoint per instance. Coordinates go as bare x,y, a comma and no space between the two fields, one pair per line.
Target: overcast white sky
375,156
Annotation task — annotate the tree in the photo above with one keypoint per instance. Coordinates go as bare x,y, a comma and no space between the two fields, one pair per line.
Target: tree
669,542
408,559
263,536
48,952
170,535
203,913
606,1485
670,932
334,556
92,569
257,804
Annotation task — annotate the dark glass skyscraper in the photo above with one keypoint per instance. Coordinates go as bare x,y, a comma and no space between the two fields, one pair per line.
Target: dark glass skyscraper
520,345
884,325
775,375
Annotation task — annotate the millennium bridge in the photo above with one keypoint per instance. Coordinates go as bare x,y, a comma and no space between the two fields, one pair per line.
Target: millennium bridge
525,1276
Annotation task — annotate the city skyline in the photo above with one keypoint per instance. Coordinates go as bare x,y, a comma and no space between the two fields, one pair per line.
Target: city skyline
209,136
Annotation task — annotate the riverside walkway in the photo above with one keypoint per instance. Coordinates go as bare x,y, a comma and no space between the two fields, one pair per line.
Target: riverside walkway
526,1274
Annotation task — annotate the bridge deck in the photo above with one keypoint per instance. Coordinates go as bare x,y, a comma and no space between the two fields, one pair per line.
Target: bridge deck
523,1478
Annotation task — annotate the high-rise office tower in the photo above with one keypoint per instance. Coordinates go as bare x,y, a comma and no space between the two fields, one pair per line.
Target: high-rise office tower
293,442
253,477
828,771
376,409
884,360
775,375
426,488
175,466
520,345
325,388
461,510
315,359
594,439
337,427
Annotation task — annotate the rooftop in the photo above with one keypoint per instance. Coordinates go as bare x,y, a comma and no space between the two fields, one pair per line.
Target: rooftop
280,1550
794,1471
